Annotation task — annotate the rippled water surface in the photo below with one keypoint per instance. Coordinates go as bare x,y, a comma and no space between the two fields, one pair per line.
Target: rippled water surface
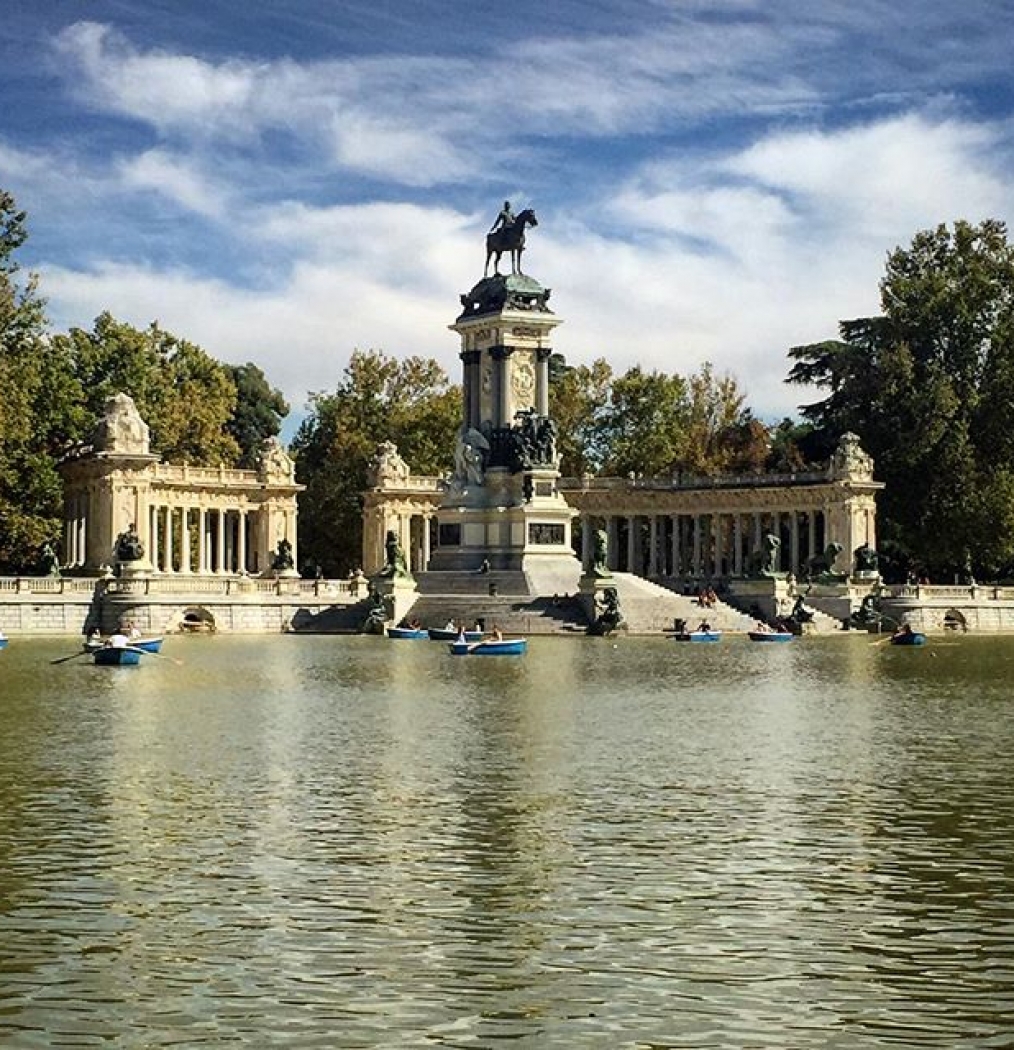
351,842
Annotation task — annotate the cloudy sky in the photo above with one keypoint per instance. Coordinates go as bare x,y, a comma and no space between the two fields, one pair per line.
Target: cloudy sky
283,182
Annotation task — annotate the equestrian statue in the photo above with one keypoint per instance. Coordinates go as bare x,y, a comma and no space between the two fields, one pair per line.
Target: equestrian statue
507,234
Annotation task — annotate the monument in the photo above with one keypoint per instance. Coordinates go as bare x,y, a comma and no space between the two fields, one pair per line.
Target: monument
503,508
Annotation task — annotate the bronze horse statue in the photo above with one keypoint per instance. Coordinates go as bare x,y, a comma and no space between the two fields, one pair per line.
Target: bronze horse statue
509,238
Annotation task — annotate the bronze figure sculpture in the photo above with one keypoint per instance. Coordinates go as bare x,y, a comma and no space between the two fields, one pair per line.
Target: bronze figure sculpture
508,235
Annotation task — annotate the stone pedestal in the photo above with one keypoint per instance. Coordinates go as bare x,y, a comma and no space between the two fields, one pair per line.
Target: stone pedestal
503,505
591,588
399,593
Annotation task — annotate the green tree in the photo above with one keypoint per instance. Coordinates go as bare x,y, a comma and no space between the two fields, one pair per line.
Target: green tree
926,388
644,425
186,397
258,414
411,403
40,408
578,396
721,436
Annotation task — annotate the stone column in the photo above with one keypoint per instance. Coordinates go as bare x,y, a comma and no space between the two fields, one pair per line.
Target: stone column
612,541
81,542
811,534
167,538
241,537
230,542
794,542
653,546
155,538
718,543
185,539
501,355
631,543
426,525
290,531
695,567
542,380
586,545
676,552
202,540
220,544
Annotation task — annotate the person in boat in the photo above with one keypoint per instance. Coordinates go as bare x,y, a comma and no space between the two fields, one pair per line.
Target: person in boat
117,640
903,630
450,626
497,634
762,627
679,626
94,636
704,627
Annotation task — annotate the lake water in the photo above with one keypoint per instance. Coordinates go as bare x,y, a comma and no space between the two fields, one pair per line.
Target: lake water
349,842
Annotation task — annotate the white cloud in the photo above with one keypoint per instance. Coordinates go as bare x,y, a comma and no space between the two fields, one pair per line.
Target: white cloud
752,252
174,178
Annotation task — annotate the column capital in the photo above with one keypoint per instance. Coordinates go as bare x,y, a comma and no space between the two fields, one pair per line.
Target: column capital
501,352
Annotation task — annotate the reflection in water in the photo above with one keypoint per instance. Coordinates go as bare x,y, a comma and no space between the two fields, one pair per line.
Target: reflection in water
626,843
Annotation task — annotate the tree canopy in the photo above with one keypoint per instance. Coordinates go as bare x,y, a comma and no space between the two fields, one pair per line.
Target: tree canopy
926,386
54,387
410,402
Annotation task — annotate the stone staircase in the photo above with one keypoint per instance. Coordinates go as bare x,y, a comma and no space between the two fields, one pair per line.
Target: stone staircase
649,608
519,607
510,600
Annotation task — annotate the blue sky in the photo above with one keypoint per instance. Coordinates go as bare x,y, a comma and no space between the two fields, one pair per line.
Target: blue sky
284,182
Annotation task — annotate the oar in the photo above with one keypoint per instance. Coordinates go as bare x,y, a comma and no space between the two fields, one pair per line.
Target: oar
74,656
148,652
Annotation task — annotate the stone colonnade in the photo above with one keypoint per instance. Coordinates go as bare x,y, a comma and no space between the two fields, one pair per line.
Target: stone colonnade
205,521
189,520
706,546
687,528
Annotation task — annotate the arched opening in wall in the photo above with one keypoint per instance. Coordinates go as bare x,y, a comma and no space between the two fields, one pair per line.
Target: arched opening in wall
196,620
954,621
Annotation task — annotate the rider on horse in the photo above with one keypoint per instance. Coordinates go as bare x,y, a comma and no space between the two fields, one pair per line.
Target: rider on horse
504,219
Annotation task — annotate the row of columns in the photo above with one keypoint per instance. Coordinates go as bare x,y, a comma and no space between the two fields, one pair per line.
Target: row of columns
502,398
703,545
222,540
75,532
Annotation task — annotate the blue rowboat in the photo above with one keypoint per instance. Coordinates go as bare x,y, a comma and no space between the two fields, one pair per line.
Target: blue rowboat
149,645
490,647
698,636
111,656
445,634
407,632
911,638
3,643
770,636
